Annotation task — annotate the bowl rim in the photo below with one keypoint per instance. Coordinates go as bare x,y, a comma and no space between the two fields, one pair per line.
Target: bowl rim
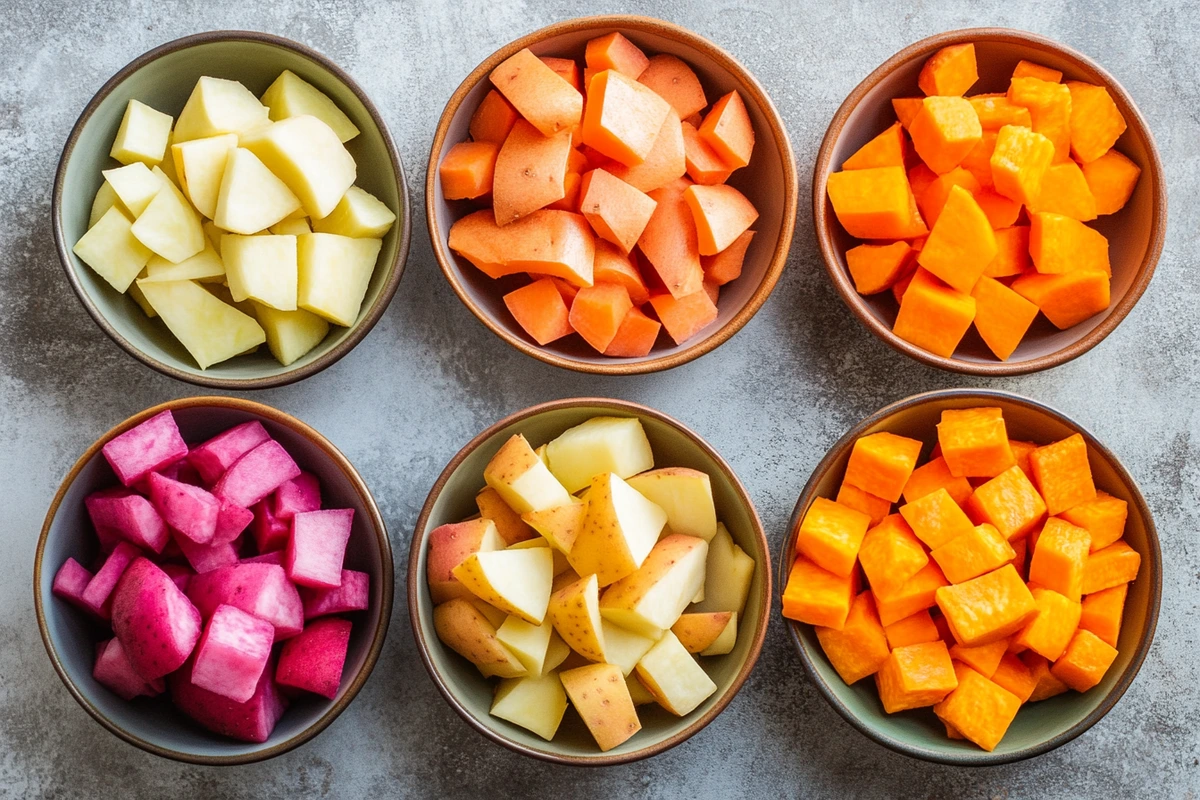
747,83
824,221
365,322
977,758
417,584
339,460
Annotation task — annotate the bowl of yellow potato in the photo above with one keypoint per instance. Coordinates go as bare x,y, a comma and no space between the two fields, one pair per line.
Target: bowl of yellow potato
232,211
588,582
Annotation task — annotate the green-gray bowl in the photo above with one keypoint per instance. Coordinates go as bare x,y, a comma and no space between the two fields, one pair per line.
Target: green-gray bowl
163,78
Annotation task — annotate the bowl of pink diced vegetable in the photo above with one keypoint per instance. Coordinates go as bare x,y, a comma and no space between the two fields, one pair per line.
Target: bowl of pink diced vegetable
213,581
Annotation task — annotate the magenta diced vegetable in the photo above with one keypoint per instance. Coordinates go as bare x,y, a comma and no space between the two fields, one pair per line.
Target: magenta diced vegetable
251,721
256,474
302,493
181,574
112,669
98,595
145,448
274,557
156,623
318,547
119,514
70,582
232,653
269,531
219,453
231,521
259,589
206,557
189,510
353,595
313,661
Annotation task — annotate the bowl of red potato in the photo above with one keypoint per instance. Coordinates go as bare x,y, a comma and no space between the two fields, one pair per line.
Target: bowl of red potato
972,577
612,195
1045,180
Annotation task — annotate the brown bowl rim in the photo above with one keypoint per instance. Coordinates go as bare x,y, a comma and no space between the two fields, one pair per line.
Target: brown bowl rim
416,584
378,527
365,322
747,82
980,758
823,219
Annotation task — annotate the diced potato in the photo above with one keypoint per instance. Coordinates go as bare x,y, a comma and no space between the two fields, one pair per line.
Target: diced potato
536,704
213,233
106,198
142,136
169,225
292,96
135,292
727,575
624,648
358,214
211,330
112,251
261,268
334,274
308,156
726,641
671,674
135,185
200,165
602,444
291,334
204,266
685,494
291,227
218,106
251,198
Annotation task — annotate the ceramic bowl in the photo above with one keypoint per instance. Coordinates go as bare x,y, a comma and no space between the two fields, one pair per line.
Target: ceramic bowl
769,182
155,725
163,78
1038,727
1135,234
453,499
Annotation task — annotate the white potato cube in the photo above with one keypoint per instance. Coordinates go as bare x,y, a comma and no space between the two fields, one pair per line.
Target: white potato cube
291,334
200,165
112,251
334,274
529,643
536,704
671,674
308,156
261,268
204,266
728,573
218,106
292,227
135,185
602,444
209,329
142,136
251,198
685,494
624,648
359,214
135,293
169,225
106,198
292,96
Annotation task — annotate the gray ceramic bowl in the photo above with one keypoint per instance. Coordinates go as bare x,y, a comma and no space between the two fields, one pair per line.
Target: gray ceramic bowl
1039,727
163,78
155,725
453,498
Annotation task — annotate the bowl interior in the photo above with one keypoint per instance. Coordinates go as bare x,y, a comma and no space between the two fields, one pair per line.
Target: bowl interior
1038,726
156,721
165,84
763,181
1129,231
456,501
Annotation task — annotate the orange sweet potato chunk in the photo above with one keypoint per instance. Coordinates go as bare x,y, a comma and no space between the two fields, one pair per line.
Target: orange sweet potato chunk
988,608
684,317
973,554
881,464
729,131
670,242
1019,162
1012,253
859,648
538,93
979,161
614,51
984,658
974,442
666,161
818,597
1001,316
933,197
1059,558
1065,191
556,243
467,170
597,313
890,555
876,268
1114,565
1111,179
1012,674
1020,561
539,309
888,149
1066,298
622,118
1021,451
1102,612
1062,474
1009,502
721,214
1060,244
612,266
933,315
920,178
915,676
876,508
1028,69
1084,662
961,244
1104,518
1096,122
950,71
726,266
917,628
617,211
1051,629
636,336
1000,211
704,165
1047,685
674,81
565,68
494,118
996,110
830,535
978,708
944,131
1049,105
906,109
916,594
934,475
530,172
875,203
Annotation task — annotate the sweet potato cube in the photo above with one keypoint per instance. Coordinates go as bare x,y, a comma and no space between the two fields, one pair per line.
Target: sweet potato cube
1012,253
1001,316
704,165
1059,558
973,554
933,197
665,162
1012,674
818,597
1114,565
996,110
933,315
984,658
1065,191
934,475
961,244
978,162
565,68
936,519
860,647
944,131
1066,298
539,309
881,464
975,442
1000,211
920,178
1047,685
915,676
875,203
1049,106
949,71
670,242
614,51
890,555
610,265
546,242
616,211
721,214
978,708
987,608
914,629
636,336
466,171
1104,518
1058,243
674,81
1020,560
684,317
1083,664
530,172
1049,632
901,286
906,109
1021,451
1019,162
1009,502
876,508
885,150
830,535
493,119
1062,474
1028,69
916,594
622,117
597,313
726,266
1102,611
1096,122
729,131
541,96
1111,179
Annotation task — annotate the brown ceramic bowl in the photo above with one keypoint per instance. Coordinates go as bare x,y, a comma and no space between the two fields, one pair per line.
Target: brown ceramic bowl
769,182
155,725
1039,727
453,498
1135,234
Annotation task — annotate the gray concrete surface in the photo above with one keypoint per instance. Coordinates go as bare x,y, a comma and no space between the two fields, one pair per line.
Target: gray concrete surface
429,377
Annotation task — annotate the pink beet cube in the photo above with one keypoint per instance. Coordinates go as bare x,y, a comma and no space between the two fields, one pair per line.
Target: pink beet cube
318,546
119,514
259,589
256,474
232,653
219,453
143,449
251,721
354,594
97,596
156,623
206,557
179,573
302,493
112,669
70,582
269,531
313,661
274,557
187,509
231,521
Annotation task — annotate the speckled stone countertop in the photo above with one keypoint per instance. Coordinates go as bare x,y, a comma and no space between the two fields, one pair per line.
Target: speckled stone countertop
429,377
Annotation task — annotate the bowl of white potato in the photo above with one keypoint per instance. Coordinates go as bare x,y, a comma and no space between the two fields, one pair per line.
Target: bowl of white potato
232,211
